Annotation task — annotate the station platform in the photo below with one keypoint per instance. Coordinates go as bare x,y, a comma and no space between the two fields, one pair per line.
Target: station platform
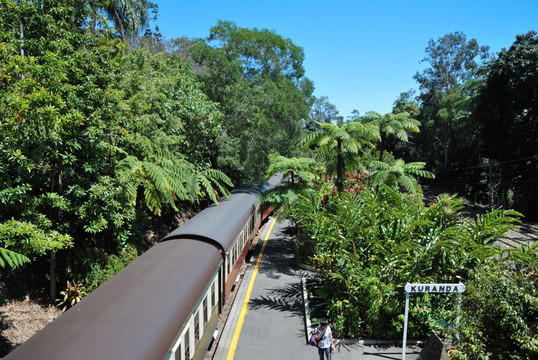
267,318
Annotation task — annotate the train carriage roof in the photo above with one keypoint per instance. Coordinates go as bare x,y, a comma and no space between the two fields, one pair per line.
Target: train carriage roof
219,224
137,314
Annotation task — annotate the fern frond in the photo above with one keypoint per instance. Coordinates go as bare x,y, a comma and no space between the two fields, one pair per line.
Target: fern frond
409,183
311,138
12,259
207,188
152,199
375,164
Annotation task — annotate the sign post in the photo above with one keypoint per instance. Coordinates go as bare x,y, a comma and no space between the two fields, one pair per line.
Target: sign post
429,288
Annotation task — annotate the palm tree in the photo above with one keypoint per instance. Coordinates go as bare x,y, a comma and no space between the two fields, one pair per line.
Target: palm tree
390,124
130,16
280,197
399,173
302,167
340,143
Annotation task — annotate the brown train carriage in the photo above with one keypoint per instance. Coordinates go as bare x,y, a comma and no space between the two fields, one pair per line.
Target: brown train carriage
165,304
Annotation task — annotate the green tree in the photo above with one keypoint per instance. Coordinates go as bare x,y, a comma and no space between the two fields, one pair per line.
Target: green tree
391,125
300,167
448,138
303,174
165,111
338,144
164,107
129,16
166,179
55,105
507,113
323,111
453,127
257,79
453,61
406,103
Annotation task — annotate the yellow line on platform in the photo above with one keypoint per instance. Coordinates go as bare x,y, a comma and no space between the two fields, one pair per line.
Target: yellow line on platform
235,339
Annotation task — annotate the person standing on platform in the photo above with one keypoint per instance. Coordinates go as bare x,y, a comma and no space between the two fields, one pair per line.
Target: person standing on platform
324,339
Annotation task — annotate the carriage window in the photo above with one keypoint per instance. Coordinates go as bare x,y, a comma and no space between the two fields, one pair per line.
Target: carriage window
213,299
187,346
205,311
196,327
177,353
235,252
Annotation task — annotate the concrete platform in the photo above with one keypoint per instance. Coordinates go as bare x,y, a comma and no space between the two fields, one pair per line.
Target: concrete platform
267,319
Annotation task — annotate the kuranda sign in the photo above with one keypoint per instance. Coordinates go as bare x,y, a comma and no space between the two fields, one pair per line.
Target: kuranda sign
435,288
429,288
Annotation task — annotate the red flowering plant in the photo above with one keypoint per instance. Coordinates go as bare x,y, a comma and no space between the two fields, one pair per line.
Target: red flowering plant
328,188
355,183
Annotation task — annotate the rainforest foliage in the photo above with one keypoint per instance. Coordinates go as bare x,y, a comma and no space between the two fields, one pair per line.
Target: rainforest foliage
106,135
362,221
371,232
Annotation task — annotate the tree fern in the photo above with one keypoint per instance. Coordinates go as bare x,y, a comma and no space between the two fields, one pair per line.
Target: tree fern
167,178
398,173
208,179
12,259
301,167
337,144
219,179
397,125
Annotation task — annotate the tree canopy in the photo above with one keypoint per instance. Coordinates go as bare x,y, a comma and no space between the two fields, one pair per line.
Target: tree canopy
257,79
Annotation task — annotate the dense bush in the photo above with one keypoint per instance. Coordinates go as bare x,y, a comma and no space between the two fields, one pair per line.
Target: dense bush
500,317
368,244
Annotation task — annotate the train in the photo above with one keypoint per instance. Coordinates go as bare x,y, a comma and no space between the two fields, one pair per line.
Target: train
165,304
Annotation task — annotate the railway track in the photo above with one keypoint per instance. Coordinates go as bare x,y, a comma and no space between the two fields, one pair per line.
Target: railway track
522,235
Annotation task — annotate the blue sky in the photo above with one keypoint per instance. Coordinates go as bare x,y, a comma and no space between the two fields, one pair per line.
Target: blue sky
361,54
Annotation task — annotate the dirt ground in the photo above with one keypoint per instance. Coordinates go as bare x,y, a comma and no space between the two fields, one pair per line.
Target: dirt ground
20,319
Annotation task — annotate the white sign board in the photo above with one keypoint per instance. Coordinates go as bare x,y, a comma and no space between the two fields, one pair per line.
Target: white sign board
435,288
429,288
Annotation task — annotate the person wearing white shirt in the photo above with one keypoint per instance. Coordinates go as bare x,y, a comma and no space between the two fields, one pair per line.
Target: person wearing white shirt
324,338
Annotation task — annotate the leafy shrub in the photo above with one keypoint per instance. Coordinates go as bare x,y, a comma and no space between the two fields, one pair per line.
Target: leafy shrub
113,265
500,317
368,244
72,295
94,267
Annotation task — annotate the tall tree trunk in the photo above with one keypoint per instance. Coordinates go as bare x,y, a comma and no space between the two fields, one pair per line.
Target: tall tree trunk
21,36
382,147
340,169
53,281
52,274
119,23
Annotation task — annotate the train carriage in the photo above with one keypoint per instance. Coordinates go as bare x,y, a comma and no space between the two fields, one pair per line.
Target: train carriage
135,314
165,304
